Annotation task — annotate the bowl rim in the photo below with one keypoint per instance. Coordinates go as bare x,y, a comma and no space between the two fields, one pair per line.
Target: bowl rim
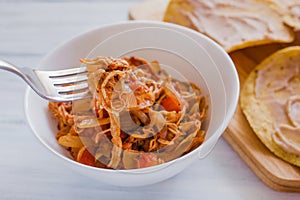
141,23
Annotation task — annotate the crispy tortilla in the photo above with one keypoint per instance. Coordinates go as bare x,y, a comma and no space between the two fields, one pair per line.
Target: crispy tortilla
290,10
256,104
233,24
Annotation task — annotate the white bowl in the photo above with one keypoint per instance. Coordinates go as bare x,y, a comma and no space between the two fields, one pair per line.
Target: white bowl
171,45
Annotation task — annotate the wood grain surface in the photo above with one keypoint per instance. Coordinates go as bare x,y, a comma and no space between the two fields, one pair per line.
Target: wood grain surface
273,171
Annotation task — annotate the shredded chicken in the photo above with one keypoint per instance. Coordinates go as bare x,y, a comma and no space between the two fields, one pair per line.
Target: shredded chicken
138,116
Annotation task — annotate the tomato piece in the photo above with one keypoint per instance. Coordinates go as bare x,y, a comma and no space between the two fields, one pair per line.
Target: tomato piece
147,160
87,158
170,104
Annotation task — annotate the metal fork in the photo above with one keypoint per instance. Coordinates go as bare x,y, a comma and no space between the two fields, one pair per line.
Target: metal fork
60,85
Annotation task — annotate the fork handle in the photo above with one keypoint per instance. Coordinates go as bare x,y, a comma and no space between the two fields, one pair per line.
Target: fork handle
27,75
9,67
21,72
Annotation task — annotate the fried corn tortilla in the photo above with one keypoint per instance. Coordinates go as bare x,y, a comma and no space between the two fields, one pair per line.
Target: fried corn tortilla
290,10
270,100
233,24
148,10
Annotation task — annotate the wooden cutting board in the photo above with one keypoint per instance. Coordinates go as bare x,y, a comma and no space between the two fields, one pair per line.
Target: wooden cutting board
274,172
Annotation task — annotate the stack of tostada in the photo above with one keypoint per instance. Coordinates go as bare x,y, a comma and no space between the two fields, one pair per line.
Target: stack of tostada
238,24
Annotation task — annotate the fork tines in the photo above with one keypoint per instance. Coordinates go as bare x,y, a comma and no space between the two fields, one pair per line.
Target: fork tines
70,84
70,81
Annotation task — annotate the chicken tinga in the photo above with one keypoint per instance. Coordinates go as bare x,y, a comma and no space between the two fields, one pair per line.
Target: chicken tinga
138,116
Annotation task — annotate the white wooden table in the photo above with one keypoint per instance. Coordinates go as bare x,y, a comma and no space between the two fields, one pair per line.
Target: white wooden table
30,29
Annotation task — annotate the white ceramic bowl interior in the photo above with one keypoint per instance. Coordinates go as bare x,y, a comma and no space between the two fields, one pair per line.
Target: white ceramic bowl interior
193,55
